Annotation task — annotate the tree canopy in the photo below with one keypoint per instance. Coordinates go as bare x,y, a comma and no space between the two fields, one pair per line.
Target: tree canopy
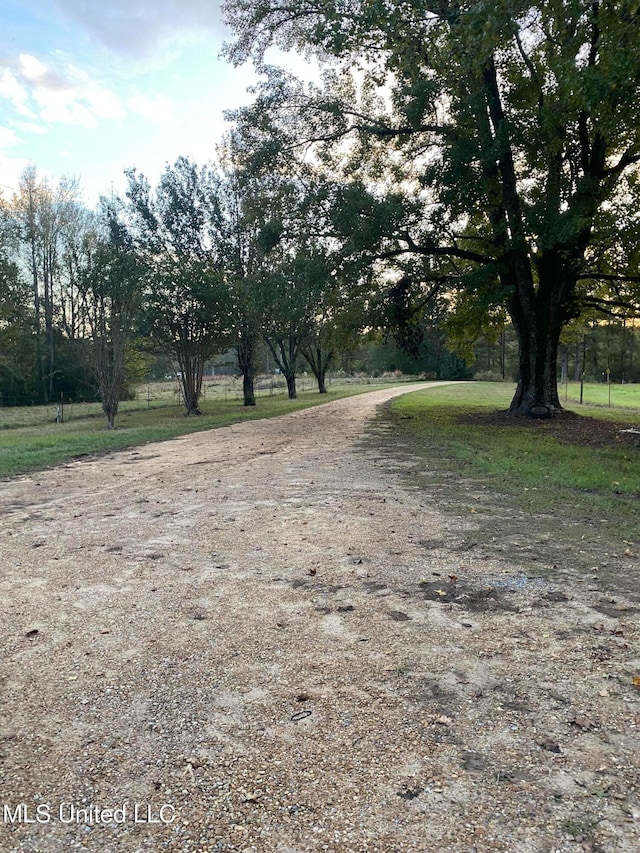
513,131
178,232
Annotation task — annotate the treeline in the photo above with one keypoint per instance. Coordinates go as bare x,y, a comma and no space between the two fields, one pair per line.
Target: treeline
203,262
597,352
215,257
221,259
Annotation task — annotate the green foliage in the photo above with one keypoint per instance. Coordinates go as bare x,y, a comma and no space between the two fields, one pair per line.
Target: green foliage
432,359
138,362
511,132
477,312
17,351
178,234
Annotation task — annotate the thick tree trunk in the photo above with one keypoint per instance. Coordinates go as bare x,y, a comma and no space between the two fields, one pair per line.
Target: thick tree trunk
537,390
248,389
538,323
246,354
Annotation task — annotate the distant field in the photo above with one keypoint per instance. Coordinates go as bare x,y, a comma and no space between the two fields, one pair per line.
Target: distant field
599,394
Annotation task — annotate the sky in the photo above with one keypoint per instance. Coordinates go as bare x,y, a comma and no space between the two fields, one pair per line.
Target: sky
89,88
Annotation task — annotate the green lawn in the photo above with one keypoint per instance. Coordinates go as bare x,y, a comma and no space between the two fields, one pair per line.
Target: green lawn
600,394
539,462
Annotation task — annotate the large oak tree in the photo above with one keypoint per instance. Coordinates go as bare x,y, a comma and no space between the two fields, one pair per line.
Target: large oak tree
513,127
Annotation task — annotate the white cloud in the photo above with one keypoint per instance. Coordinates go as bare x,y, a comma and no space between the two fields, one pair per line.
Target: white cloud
32,71
137,27
12,90
68,95
10,170
101,101
8,137
66,111
31,67
30,127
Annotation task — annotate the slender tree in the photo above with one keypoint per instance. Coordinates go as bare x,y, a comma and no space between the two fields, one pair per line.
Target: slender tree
111,286
287,281
45,215
178,231
242,260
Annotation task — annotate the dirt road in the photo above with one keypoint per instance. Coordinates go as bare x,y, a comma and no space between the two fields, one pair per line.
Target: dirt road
258,639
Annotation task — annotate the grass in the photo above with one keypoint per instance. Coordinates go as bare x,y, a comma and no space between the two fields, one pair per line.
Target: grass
599,394
156,395
28,443
529,461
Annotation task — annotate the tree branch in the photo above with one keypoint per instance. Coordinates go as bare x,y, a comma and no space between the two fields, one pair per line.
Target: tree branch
629,158
604,277
436,251
607,305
